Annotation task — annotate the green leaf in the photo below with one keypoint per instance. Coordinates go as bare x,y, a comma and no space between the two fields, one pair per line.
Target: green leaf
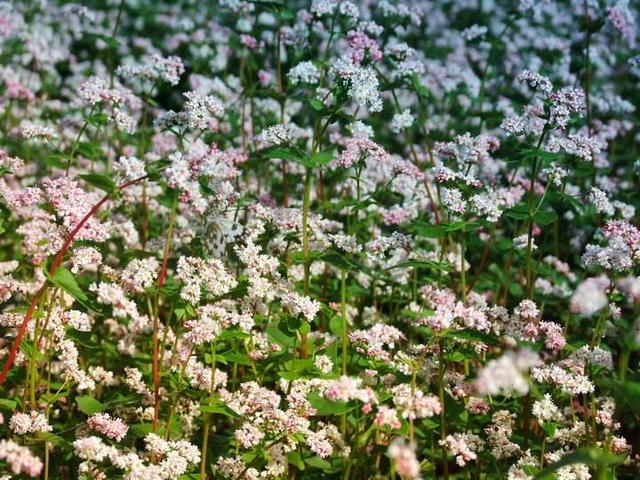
219,407
53,438
321,158
7,404
295,459
549,428
337,260
519,212
321,464
89,405
98,119
64,279
327,407
316,104
474,336
430,264
588,456
100,181
282,153
545,217
429,231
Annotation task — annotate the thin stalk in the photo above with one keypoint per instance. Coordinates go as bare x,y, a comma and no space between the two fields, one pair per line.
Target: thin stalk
306,203
207,422
443,416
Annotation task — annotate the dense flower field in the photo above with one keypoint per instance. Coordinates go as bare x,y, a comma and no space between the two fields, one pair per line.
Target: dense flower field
319,239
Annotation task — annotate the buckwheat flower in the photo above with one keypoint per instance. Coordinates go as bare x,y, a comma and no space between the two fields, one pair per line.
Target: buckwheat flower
168,69
93,448
416,404
68,355
323,363
387,417
349,9
102,376
575,471
403,456
362,84
236,468
276,135
201,109
347,388
515,126
304,72
248,435
361,45
319,444
554,336
463,446
570,382
491,203
348,243
360,148
134,380
124,121
373,341
251,398
527,309
545,410
555,174
499,433
33,130
140,274
535,81
590,296
130,168
96,90
298,304
197,274
114,295
473,32
506,375
23,423
78,320
156,67
265,78
452,200
202,330
111,427
323,7
249,41
623,20
20,460
71,204
593,356
601,202
85,258
581,146
565,102
401,121
358,128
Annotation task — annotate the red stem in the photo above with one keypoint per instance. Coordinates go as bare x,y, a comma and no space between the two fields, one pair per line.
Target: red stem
52,270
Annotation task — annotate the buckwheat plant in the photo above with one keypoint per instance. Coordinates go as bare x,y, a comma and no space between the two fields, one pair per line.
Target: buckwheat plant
309,239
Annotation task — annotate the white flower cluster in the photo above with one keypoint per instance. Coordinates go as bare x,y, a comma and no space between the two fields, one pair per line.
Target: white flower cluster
362,84
304,72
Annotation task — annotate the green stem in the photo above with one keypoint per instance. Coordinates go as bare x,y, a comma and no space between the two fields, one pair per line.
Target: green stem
207,422
443,416
306,203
